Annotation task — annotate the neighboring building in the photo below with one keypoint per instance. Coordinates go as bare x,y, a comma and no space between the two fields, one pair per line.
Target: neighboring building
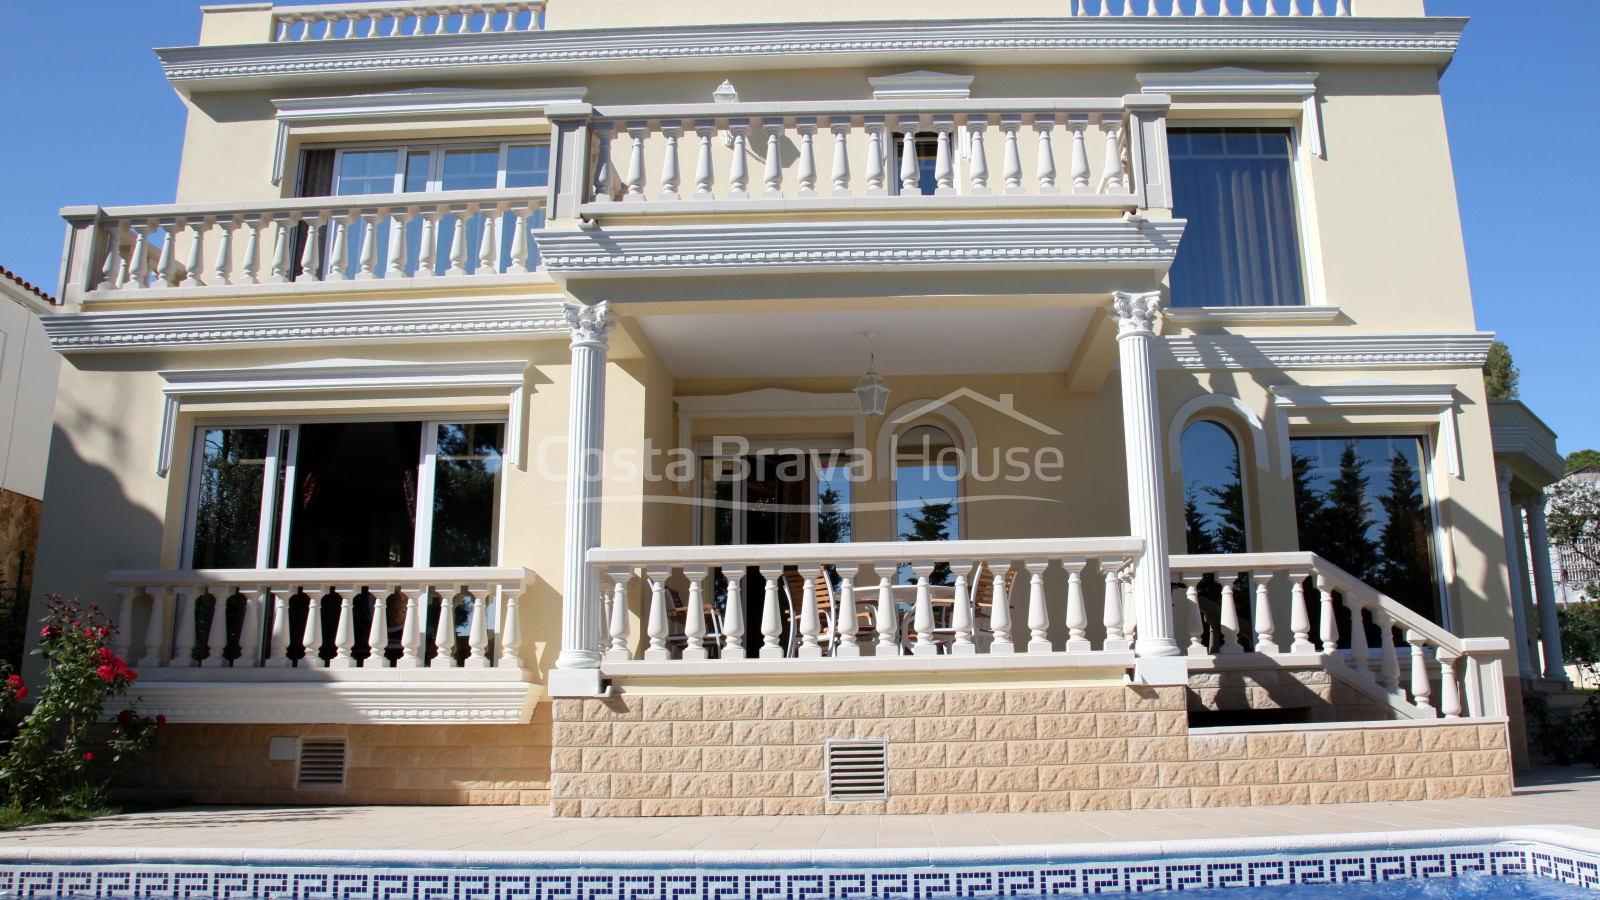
28,372
499,413
1575,571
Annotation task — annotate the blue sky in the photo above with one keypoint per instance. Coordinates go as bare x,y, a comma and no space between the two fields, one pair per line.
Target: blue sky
90,120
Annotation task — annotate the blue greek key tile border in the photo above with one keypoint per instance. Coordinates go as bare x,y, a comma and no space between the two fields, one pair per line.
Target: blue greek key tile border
512,879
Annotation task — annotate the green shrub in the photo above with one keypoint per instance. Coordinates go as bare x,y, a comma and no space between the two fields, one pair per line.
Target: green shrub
1565,740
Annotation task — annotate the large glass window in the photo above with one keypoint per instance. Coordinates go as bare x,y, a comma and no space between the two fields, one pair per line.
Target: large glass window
927,492
1235,186
1213,490
1362,503
346,494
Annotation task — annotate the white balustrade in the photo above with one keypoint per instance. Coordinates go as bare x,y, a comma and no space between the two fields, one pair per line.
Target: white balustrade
404,18
1220,8
812,601
368,238
873,153
1439,662
264,603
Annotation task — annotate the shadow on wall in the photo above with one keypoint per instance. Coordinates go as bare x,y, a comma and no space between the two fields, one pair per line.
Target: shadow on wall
89,527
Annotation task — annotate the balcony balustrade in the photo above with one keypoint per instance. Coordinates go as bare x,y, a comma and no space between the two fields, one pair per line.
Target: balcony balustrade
1151,8
411,618
403,18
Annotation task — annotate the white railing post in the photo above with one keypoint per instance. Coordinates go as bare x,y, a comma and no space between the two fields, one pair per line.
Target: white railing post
1011,160
378,628
922,612
705,130
1449,690
694,615
847,620
771,617
367,255
1261,618
519,241
910,174
156,630
1390,665
339,249
944,171
656,628
1230,613
840,125
604,133
1077,610
250,628
961,622
1330,625
478,628
222,266
444,632
1191,603
1421,689
217,636
1474,678
1360,650
806,166
458,240
1078,123
196,253
344,635
411,648
122,643
511,628
977,163
888,614
1000,613
488,243
733,626
184,625
311,256
252,248
671,130
772,171
1299,613
810,622
1111,613
637,132
621,579
1038,611
739,170
875,156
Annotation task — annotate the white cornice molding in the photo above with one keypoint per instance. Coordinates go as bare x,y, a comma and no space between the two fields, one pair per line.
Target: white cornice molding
1323,351
629,251
323,324
354,702
1252,315
419,103
655,49
345,375
1373,398
1235,83
921,85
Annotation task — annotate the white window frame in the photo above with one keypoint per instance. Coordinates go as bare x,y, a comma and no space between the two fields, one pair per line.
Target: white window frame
436,151
282,448
1304,210
952,431
1244,478
810,448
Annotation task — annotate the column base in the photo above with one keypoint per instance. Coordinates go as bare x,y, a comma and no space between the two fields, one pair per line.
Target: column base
574,683
1161,670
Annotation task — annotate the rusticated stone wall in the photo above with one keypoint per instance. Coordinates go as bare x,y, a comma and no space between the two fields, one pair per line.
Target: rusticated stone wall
993,750
1324,698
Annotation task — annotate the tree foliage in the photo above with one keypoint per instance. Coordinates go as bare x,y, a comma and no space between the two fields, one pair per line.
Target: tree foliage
833,519
932,524
1572,518
1577,459
1500,376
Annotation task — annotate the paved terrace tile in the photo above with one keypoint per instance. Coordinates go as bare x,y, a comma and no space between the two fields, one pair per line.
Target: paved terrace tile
1548,796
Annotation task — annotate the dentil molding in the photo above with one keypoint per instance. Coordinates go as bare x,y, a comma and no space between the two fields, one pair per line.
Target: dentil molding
1324,351
625,251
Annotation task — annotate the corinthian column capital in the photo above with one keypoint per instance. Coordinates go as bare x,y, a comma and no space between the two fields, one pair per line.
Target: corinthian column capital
1135,313
590,323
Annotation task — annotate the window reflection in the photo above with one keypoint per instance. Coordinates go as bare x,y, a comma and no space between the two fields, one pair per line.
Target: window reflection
466,494
227,521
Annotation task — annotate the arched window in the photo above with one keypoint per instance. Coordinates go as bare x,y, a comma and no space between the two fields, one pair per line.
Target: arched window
1213,490
927,489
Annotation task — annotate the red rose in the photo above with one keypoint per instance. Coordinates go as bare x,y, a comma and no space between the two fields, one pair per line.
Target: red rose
15,681
22,692
104,655
89,757
132,675
107,673
161,720
125,717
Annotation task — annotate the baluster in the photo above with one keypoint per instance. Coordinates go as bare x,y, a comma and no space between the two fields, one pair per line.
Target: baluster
196,253
1474,688
511,626
222,266
339,249
250,627
466,20
395,265
944,171
922,612
122,643
604,133
442,640
1038,612
910,176
621,578
1150,8
458,243
1245,9
252,250
1390,660
733,615
1230,613
846,618
1079,11
671,130
875,156
1077,610
771,619
217,635
1421,689
739,171
1449,690
1316,8
1111,180
637,131
378,630
1177,8
806,167
156,631
1111,615
694,618
841,155
705,129
1011,165
888,615
1265,638
282,250
1222,8
1043,125
278,640
1271,9
772,174
1105,7
961,611
1341,8
1360,652
185,607
139,260
478,628
1294,8
1191,605
1199,7
1130,610
488,245
344,635
428,242
1000,614
367,260
519,242
810,622
977,161
656,620
311,257
167,264
411,647
1330,625
1299,614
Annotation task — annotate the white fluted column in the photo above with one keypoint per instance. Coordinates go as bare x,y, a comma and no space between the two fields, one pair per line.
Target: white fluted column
1544,589
577,668
1508,528
1147,507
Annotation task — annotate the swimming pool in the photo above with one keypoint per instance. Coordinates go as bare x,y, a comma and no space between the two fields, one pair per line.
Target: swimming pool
1431,864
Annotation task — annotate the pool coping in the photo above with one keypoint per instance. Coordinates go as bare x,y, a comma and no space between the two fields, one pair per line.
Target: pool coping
1571,838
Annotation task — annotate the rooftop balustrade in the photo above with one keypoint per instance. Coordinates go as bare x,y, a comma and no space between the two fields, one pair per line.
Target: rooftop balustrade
403,18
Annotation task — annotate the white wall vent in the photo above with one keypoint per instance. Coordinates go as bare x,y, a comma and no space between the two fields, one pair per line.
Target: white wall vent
858,770
321,765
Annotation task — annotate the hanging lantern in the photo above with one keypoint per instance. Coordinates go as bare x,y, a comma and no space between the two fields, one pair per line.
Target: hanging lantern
872,391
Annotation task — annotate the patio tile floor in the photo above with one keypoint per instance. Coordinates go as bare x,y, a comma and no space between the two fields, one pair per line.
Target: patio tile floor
1548,796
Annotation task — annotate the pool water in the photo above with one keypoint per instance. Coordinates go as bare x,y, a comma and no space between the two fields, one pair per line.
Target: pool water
1467,887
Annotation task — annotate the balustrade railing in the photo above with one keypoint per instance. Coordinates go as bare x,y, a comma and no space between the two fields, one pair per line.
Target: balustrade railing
929,152
323,618
1470,662
1153,8
846,600
404,18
